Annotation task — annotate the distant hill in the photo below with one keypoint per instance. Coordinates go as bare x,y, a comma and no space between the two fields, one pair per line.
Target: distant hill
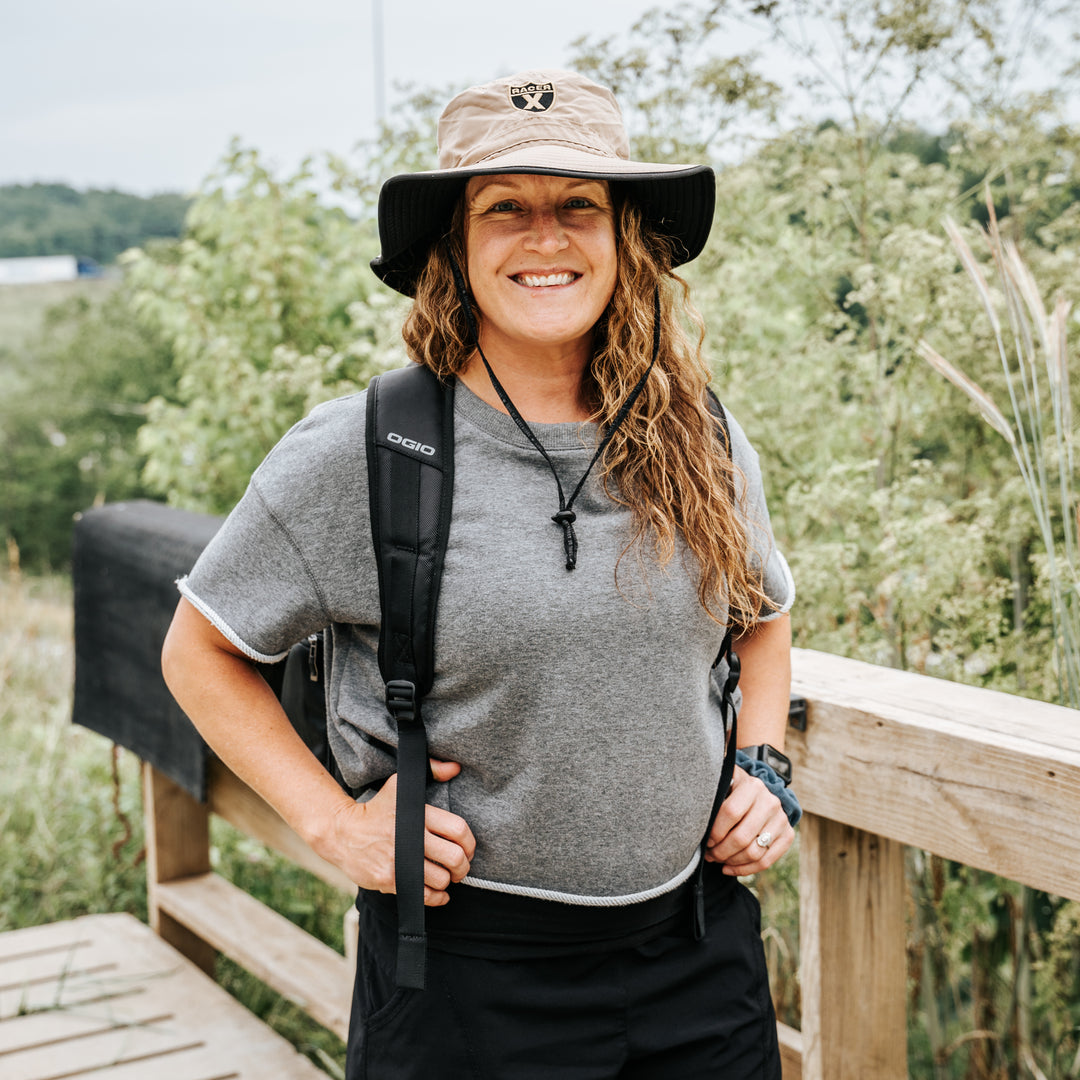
54,219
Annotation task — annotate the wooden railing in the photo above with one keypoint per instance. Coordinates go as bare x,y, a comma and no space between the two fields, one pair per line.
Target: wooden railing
887,759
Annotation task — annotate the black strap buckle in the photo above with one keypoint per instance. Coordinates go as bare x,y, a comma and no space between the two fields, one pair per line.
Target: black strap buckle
401,700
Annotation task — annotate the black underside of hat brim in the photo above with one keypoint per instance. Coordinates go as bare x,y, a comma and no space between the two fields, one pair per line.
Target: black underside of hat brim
415,210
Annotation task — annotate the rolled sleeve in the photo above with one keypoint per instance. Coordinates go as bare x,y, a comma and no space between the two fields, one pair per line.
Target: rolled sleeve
253,583
776,580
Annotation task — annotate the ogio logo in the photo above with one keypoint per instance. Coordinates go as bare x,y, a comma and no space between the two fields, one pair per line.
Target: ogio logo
535,97
410,444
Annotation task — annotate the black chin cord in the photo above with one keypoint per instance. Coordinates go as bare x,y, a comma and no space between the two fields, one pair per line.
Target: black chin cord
565,517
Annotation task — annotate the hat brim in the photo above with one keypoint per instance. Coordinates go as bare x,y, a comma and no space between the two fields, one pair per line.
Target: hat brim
415,208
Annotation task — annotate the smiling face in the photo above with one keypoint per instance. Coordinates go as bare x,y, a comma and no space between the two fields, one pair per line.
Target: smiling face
541,260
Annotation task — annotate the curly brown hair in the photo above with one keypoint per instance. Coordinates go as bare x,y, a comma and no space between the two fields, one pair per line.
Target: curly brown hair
659,462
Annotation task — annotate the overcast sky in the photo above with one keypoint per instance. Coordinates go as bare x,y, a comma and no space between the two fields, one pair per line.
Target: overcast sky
145,96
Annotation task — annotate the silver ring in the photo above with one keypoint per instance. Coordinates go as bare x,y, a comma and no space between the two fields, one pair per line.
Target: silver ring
764,840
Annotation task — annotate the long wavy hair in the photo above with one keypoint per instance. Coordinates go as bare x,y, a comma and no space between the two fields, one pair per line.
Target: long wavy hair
663,462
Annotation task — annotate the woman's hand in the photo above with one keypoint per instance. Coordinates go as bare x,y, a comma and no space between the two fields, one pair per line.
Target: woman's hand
361,842
750,811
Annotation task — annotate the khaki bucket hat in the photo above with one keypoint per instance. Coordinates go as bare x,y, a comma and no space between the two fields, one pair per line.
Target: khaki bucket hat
549,122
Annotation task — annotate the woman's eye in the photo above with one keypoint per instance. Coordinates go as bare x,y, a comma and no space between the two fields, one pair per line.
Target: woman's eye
503,207
578,203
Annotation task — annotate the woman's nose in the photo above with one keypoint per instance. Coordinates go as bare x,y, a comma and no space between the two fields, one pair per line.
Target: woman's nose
546,232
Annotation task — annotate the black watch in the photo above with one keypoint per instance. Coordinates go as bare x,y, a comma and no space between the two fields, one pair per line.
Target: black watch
779,763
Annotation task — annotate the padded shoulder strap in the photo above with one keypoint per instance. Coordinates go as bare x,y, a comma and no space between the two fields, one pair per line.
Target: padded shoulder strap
410,458
410,418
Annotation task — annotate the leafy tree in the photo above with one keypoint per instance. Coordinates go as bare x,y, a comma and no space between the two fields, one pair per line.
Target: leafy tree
73,398
54,219
827,264
270,308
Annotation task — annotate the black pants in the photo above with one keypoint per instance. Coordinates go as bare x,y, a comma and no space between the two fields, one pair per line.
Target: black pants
671,1007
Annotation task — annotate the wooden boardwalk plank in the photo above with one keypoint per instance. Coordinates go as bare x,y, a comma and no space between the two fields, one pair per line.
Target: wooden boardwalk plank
147,1046
171,1068
292,962
39,1028
44,967
123,1005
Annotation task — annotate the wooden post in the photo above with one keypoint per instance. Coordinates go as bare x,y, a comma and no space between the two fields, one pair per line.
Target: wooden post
852,908
177,846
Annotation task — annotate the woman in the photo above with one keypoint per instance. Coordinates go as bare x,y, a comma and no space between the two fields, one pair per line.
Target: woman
575,729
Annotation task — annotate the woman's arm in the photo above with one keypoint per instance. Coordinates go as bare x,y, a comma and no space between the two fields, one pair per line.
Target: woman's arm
765,680
750,809
238,715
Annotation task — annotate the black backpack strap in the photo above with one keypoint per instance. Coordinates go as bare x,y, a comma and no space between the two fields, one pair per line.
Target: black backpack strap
727,708
410,459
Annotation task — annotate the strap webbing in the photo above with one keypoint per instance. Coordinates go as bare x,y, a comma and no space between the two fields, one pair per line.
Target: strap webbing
412,764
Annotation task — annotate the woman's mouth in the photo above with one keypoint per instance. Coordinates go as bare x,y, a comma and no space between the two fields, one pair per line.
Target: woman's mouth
544,281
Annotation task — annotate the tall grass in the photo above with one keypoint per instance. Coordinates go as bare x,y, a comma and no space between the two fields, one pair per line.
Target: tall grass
64,846
1031,348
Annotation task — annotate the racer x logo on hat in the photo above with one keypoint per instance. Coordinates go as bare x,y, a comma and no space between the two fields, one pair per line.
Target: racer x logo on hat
534,97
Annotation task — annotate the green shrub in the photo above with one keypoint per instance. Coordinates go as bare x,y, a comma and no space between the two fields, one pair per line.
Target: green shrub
73,397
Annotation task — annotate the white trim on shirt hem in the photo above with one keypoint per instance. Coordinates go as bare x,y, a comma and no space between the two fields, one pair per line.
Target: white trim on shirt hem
588,901
209,613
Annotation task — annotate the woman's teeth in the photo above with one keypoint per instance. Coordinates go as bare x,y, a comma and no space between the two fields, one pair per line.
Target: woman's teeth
541,281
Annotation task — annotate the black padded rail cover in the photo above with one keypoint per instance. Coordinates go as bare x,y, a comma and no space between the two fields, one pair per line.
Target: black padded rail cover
126,558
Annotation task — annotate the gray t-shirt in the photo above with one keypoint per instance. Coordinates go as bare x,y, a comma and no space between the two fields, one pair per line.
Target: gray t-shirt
579,703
